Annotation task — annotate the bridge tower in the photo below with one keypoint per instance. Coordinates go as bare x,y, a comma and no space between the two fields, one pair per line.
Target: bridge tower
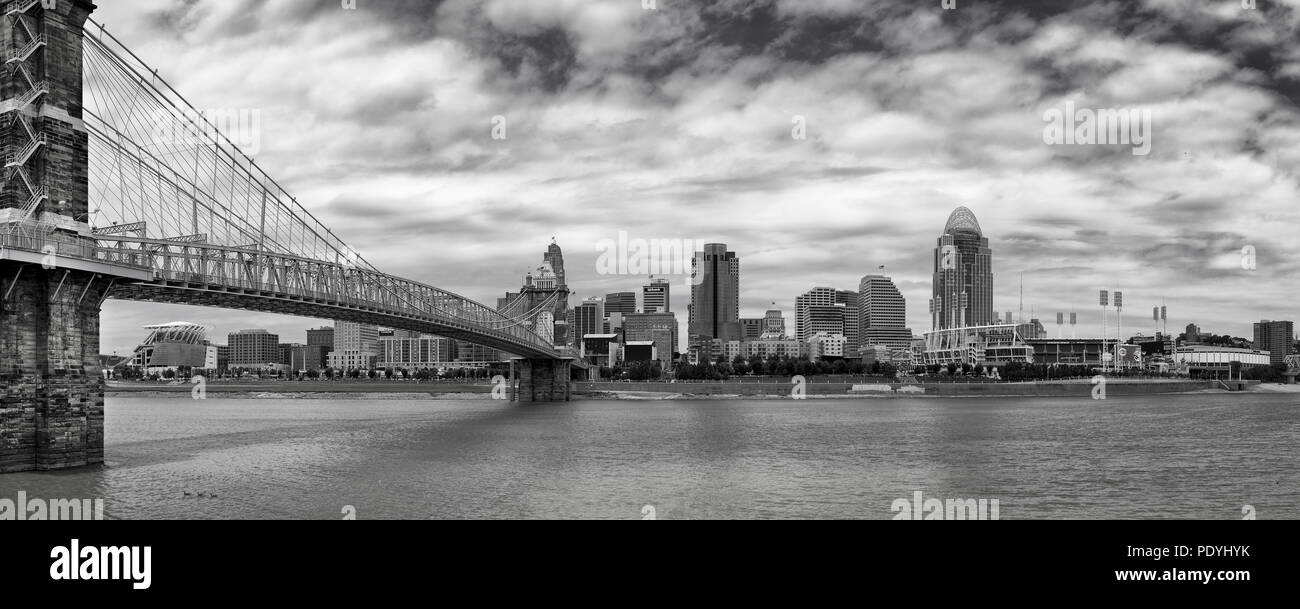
51,285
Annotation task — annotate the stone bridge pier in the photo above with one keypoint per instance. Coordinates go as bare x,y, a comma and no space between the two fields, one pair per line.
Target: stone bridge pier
51,390
51,286
542,380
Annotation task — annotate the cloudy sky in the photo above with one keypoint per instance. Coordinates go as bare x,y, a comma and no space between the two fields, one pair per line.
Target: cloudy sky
680,122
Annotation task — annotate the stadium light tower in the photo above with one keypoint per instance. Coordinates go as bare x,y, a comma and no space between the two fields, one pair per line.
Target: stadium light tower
1105,301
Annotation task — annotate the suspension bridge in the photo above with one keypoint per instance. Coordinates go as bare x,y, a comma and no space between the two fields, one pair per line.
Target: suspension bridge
115,186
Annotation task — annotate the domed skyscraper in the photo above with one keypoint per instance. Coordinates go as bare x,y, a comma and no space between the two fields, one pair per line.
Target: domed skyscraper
963,274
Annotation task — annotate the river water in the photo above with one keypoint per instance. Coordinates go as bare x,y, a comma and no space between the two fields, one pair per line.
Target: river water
1150,457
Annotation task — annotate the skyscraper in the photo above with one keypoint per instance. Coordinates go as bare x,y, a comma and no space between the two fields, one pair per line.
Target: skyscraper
588,318
1275,337
963,274
882,314
620,302
655,297
822,309
715,294
849,299
555,257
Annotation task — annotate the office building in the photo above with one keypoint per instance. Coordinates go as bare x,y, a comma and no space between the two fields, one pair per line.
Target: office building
588,318
354,346
620,302
254,349
323,336
823,309
298,357
751,328
659,328
354,336
1276,337
849,300
962,293
882,314
555,258
656,297
715,296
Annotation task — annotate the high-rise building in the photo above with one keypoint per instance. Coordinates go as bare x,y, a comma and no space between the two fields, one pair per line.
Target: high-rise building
300,358
849,299
588,318
620,302
322,336
963,274
1193,333
355,336
254,349
715,294
1275,337
655,297
882,314
821,309
355,346
555,258
751,328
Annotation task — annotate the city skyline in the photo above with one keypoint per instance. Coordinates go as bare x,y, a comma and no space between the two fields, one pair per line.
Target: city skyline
705,137
1137,325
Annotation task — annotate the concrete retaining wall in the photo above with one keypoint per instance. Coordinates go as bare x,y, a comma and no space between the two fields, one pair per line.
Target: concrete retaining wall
940,389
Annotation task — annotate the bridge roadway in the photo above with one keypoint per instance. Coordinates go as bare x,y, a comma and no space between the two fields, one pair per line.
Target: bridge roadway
156,270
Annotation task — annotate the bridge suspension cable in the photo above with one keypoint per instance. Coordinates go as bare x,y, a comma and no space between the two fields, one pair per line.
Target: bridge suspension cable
174,173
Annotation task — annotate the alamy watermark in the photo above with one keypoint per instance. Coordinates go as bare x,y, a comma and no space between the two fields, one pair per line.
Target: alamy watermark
192,128
637,256
130,563
922,508
500,388
1103,126
50,509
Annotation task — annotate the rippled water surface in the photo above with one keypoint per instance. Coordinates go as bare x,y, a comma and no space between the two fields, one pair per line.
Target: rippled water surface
1185,456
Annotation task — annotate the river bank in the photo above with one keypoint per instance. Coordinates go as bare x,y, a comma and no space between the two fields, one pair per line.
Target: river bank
317,390
601,390
815,390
